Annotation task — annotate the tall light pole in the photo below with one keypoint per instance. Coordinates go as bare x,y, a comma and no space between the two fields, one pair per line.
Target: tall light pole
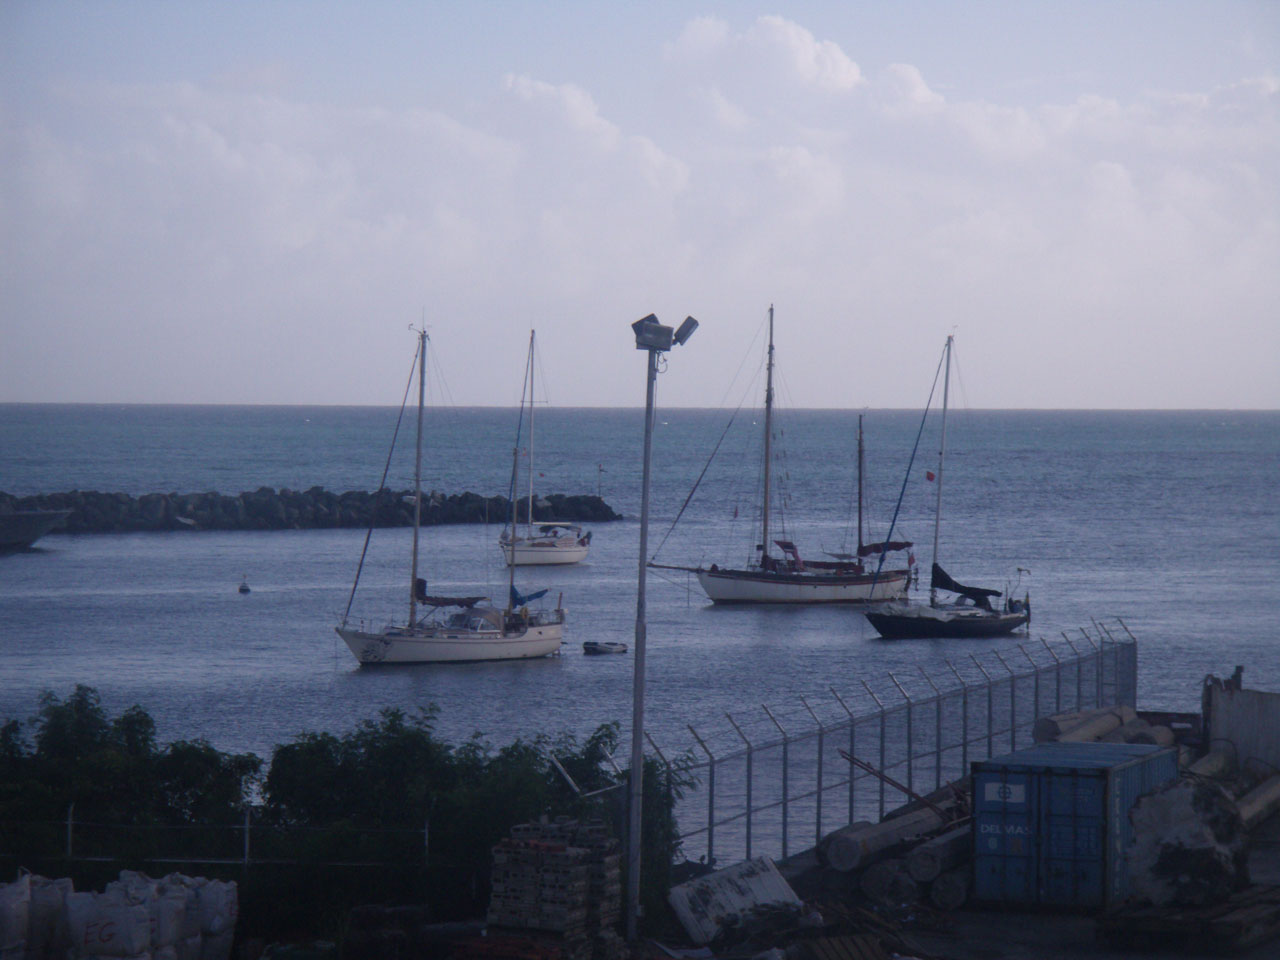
655,338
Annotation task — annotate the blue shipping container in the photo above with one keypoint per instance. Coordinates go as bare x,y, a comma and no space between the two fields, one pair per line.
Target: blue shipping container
1051,822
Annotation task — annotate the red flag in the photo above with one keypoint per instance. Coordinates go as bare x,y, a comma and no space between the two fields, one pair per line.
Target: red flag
928,474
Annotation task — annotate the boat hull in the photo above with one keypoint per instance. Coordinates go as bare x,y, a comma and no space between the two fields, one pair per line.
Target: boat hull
531,553
749,586
926,623
440,645
22,528
599,647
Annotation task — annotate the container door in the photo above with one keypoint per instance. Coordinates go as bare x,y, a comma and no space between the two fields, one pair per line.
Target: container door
1073,823
1004,834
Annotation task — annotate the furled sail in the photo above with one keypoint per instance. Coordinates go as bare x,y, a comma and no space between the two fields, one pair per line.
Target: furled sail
518,599
875,549
941,580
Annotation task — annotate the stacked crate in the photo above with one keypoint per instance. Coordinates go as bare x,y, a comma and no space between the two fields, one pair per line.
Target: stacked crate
559,882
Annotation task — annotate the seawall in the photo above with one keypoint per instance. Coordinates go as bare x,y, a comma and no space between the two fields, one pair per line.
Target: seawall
269,509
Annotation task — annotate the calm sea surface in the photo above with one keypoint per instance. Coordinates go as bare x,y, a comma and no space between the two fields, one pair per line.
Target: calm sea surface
1167,520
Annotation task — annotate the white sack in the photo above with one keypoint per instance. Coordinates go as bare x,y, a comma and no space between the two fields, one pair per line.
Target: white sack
15,918
107,925
47,937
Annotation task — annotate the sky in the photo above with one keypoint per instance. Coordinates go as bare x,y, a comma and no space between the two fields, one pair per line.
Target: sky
239,202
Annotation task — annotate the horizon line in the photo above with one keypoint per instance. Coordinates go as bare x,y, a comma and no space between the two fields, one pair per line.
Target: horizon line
558,406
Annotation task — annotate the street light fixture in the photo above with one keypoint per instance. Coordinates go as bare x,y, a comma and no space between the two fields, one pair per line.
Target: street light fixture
655,338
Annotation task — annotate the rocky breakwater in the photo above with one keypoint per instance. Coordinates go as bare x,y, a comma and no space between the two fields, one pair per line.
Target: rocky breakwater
269,509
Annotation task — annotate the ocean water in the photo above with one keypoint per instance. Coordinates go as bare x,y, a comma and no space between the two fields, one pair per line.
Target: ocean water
1168,520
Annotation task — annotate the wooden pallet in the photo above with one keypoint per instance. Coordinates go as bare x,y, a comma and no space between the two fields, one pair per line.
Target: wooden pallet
1246,919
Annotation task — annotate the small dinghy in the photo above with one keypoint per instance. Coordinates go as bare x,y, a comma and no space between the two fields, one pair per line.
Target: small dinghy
603,646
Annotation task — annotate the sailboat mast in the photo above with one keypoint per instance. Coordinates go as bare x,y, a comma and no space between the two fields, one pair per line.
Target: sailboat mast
529,518
942,449
861,465
417,476
768,442
511,567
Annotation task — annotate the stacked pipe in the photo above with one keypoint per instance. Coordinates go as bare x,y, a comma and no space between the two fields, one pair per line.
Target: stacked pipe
918,855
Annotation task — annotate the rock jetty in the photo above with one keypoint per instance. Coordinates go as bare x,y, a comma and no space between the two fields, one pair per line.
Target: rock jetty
269,509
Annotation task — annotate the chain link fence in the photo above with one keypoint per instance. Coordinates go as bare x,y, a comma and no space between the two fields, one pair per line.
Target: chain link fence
773,782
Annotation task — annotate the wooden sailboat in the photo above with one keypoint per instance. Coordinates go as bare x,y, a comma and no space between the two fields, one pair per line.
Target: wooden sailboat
788,578
972,613
548,542
477,630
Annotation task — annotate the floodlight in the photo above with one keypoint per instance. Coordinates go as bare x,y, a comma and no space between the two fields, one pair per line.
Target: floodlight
685,330
651,335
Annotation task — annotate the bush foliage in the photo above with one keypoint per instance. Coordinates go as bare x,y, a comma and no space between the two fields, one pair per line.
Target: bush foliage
385,813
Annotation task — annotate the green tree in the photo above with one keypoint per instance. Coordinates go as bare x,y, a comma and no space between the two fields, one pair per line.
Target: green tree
194,783
71,730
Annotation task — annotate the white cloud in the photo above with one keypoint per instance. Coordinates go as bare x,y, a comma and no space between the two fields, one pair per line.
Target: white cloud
751,165
728,115
772,52
906,90
575,106
700,38
818,62
814,184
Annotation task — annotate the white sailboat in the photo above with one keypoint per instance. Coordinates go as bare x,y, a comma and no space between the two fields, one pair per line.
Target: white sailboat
548,542
789,578
971,614
477,630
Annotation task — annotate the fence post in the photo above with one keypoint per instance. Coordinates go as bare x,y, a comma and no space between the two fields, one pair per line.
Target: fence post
1097,668
882,750
937,730
1117,694
964,720
1057,677
786,783
750,757
711,798
1013,702
911,746
246,838
991,707
1131,666
853,726
817,834
1035,673
1079,675
71,807
666,766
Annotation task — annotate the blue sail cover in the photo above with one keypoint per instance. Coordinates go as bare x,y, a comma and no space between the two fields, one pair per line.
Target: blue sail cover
519,600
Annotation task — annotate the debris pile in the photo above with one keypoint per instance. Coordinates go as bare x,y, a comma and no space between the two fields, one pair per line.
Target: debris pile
1189,845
